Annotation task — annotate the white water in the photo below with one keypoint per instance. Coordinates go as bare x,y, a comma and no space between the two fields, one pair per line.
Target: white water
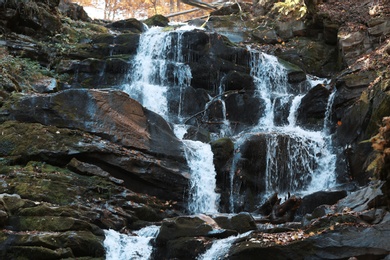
202,195
158,57
307,163
149,84
220,248
128,247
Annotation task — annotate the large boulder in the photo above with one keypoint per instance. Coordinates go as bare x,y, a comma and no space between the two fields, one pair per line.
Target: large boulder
110,114
141,172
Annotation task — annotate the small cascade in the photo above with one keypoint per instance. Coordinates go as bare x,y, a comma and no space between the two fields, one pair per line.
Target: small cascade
158,68
220,247
270,78
123,247
159,57
202,195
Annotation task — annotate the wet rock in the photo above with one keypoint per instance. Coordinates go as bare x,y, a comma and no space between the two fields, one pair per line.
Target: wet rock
223,150
243,110
238,81
312,109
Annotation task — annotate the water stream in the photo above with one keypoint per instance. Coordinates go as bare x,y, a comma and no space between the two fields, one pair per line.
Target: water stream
159,68
125,247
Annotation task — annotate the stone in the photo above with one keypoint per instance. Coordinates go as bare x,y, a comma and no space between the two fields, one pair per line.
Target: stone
128,25
186,226
242,222
223,150
157,20
341,242
312,109
112,114
363,199
312,201
86,168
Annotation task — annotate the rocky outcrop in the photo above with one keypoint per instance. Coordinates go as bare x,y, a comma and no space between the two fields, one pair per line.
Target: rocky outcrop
110,114
51,212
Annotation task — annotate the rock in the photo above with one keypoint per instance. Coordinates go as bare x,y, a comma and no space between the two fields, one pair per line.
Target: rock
357,112
44,85
51,223
157,20
53,245
363,199
352,44
55,145
186,226
251,168
243,110
223,150
73,11
312,109
128,25
86,168
235,80
341,242
314,200
373,216
111,114
242,222
313,56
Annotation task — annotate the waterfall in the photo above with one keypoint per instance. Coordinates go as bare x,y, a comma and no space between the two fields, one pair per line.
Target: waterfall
220,247
124,247
295,157
202,195
159,57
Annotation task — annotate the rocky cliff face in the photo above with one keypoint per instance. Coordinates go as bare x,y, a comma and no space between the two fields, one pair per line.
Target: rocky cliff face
77,158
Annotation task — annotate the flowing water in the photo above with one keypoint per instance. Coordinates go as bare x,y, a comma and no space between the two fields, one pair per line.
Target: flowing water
125,247
160,68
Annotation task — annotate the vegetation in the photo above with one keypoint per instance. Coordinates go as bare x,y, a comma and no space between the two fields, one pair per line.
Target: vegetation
17,73
294,8
140,9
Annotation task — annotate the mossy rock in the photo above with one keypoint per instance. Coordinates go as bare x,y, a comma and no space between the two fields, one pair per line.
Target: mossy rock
37,252
157,20
73,244
51,223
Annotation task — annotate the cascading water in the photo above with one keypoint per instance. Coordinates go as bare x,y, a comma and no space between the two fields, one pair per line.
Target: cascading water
220,247
124,247
294,156
159,57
